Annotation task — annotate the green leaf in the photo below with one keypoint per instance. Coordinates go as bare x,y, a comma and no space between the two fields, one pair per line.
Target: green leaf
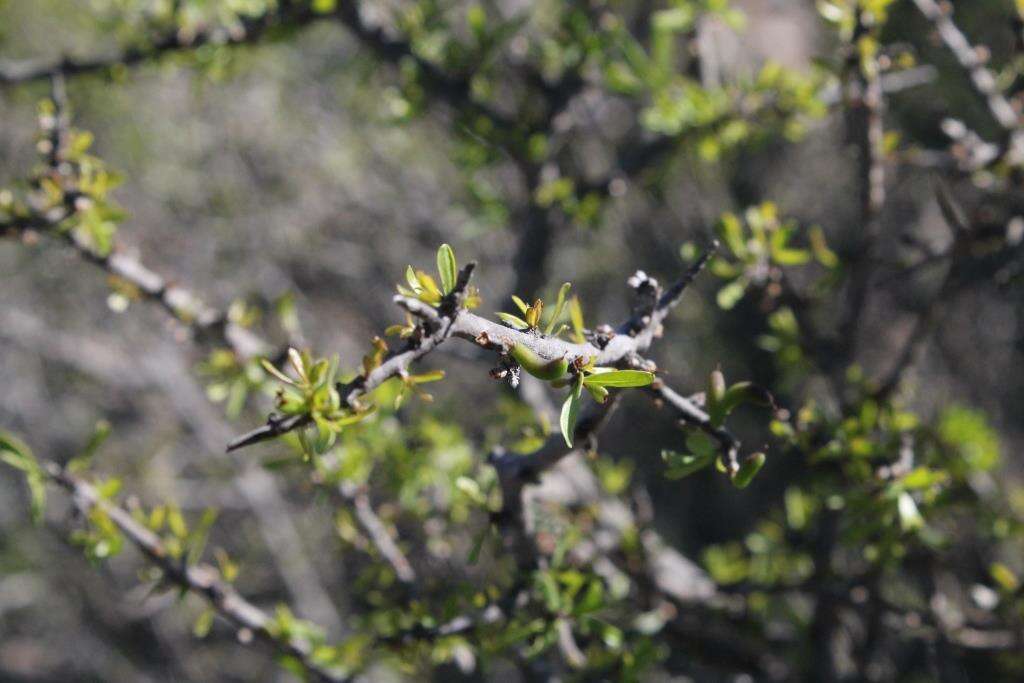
100,434
559,305
923,478
570,411
430,292
471,489
684,464
15,453
599,393
414,283
748,470
576,317
825,256
520,304
446,268
203,623
741,392
731,232
269,368
619,378
199,536
730,295
791,257
515,321
1004,576
701,444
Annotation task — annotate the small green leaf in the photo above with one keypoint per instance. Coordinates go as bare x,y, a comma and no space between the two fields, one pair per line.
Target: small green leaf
730,295
701,444
1004,576
423,378
684,464
748,470
471,489
731,232
739,393
520,304
576,318
791,257
825,256
269,368
514,321
923,478
619,378
599,393
15,453
559,305
414,283
430,291
446,268
203,623
570,411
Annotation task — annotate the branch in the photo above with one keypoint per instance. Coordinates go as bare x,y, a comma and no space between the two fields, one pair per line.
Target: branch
203,580
203,320
378,532
867,109
971,59
451,321
252,30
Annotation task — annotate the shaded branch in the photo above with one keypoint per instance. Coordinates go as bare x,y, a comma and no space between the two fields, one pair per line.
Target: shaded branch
970,58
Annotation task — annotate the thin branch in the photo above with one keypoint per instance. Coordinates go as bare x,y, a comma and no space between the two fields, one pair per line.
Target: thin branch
203,580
